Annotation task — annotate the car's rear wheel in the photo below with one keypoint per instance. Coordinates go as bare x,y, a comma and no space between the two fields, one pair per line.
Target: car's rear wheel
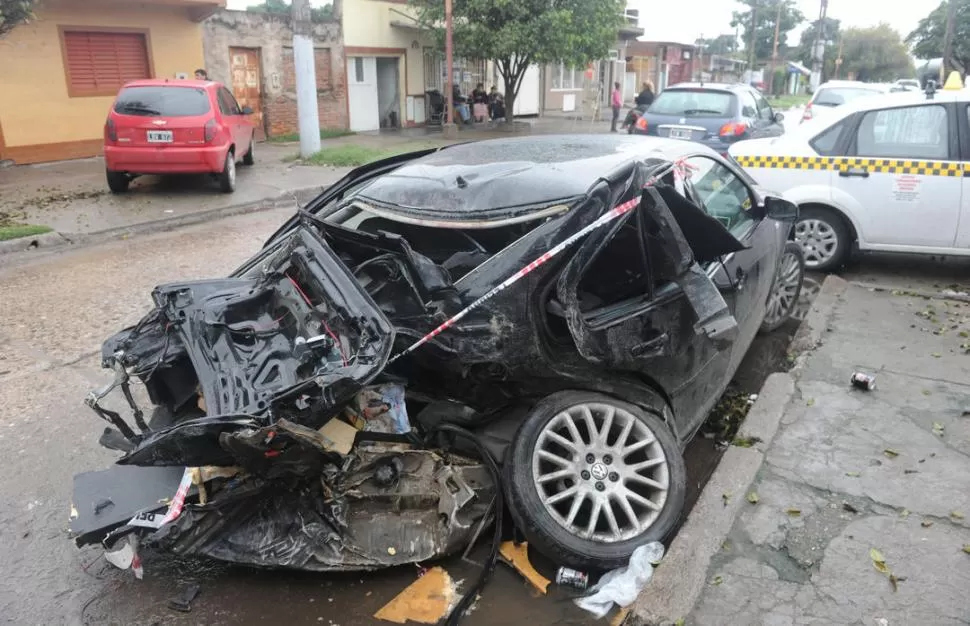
590,478
227,179
250,157
117,181
783,299
823,237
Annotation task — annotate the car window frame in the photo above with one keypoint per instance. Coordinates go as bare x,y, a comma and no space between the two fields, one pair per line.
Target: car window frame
759,99
225,97
694,197
953,139
748,93
963,130
849,131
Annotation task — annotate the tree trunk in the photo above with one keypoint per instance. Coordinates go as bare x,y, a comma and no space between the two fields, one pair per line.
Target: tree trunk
510,94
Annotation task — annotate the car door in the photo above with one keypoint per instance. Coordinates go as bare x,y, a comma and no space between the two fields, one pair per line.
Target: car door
902,178
745,277
963,230
636,300
769,126
233,118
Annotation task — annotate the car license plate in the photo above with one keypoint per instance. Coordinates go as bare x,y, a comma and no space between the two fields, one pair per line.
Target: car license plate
680,133
159,136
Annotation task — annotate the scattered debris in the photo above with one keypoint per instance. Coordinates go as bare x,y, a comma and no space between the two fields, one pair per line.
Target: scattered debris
904,513
956,515
745,442
865,382
878,561
894,581
938,429
621,586
426,600
717,580
848,507
574,579
926,523
966,548
726,498
753,497
889,452
810,402
183,601
793,512
517,556
853,474
936,355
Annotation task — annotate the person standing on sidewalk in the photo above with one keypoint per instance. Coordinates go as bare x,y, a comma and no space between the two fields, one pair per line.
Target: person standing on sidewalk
616,102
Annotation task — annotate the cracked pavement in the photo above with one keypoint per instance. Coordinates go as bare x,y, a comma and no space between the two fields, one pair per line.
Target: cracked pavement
850,471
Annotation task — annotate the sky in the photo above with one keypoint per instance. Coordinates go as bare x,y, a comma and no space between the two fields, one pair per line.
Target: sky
686,20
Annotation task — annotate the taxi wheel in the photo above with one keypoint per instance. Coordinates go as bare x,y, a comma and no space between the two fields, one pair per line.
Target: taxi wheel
823,237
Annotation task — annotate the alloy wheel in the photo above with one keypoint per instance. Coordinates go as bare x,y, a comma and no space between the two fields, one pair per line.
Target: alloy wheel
784,294
819,241
600,472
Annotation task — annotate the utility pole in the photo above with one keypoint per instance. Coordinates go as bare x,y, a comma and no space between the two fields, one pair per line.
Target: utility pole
838,59
754,31
306,79
774,51
818,49
951,9
449,59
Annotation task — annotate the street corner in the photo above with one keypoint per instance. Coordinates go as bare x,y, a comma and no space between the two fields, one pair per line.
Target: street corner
911,570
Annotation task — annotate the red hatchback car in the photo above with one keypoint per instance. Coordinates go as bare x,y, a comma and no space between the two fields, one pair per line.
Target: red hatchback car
176,127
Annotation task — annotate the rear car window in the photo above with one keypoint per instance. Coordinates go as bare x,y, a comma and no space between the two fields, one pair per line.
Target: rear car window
825,142
836,96
162,101
694,103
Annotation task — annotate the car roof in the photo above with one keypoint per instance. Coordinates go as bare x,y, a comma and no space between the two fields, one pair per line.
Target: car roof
713,86
173,82
514,175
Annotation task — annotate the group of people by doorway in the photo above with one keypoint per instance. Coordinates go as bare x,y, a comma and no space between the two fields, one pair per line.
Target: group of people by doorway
485,105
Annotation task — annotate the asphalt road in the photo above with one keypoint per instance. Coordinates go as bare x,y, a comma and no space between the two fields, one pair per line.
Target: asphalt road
55,312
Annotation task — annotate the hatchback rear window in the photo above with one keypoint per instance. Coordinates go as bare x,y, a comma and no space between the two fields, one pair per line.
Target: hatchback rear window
162,101
694,103
835,96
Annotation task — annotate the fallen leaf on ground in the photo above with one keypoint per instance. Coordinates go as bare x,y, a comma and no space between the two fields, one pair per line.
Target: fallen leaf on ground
956,514
793,512
717,581
853,474
745,442
848,507
878,561
926,392
910,472
810,402
726,497
936,355
904,513
926,523
753,498
889,452
894,582
966,548
938,429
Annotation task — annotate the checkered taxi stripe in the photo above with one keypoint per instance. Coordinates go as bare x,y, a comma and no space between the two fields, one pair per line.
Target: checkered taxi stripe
874,166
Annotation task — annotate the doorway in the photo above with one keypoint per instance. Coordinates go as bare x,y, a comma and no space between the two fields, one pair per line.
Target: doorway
246,82
362,93
388,92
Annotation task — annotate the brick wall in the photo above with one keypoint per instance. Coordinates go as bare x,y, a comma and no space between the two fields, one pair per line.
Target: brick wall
272,36
281,113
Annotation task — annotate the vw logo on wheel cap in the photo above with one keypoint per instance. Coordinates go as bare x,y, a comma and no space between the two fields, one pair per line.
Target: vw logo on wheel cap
599,471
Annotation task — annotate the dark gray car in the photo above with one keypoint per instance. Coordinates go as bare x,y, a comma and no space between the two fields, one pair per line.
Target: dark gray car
714,114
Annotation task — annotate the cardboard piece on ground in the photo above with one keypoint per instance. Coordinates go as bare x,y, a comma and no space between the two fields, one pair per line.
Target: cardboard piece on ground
427,600
518,557
341,434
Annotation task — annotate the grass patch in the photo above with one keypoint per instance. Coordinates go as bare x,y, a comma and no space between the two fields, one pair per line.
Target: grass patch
325,133
17,231
353,156
787,102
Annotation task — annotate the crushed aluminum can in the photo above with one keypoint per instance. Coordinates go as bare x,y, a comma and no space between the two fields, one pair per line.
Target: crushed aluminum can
863,381
567,577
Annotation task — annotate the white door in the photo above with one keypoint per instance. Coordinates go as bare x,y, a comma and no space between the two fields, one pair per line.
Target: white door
963,232
903,178
527,101
362,93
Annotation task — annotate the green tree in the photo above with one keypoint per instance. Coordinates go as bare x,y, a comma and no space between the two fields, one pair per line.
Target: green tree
282,7
13,13
518,33
722,44
765,13
831,34
927,39
875,54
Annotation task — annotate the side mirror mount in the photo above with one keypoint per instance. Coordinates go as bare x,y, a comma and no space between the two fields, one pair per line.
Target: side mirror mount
247,111
779,118
777,208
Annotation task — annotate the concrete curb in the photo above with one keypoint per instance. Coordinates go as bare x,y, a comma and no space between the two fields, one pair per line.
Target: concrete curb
920,293
25,245
680,579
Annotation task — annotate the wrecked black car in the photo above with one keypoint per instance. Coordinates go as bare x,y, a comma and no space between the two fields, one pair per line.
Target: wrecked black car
565,308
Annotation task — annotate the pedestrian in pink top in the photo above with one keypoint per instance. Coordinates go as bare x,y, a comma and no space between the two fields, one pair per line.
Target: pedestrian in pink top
616,103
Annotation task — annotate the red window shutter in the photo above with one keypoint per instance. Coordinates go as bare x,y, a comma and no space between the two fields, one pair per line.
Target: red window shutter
101,62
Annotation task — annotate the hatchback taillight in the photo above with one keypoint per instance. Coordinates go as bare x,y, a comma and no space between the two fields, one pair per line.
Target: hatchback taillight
110,130
807,115
733,129
210,130
641,124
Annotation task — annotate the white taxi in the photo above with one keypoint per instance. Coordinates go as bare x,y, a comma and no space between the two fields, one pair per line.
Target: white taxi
888,173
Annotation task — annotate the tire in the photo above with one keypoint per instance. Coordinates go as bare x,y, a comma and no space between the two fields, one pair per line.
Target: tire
824,237
786,289
227,178
551,536
117,181
250,158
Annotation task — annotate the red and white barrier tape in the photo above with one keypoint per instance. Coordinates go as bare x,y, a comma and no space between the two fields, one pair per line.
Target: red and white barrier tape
612,214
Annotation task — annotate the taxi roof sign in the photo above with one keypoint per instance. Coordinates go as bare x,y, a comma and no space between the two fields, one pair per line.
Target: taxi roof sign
953,82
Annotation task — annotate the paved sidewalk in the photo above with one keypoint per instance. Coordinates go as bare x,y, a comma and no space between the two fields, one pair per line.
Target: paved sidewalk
851,471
